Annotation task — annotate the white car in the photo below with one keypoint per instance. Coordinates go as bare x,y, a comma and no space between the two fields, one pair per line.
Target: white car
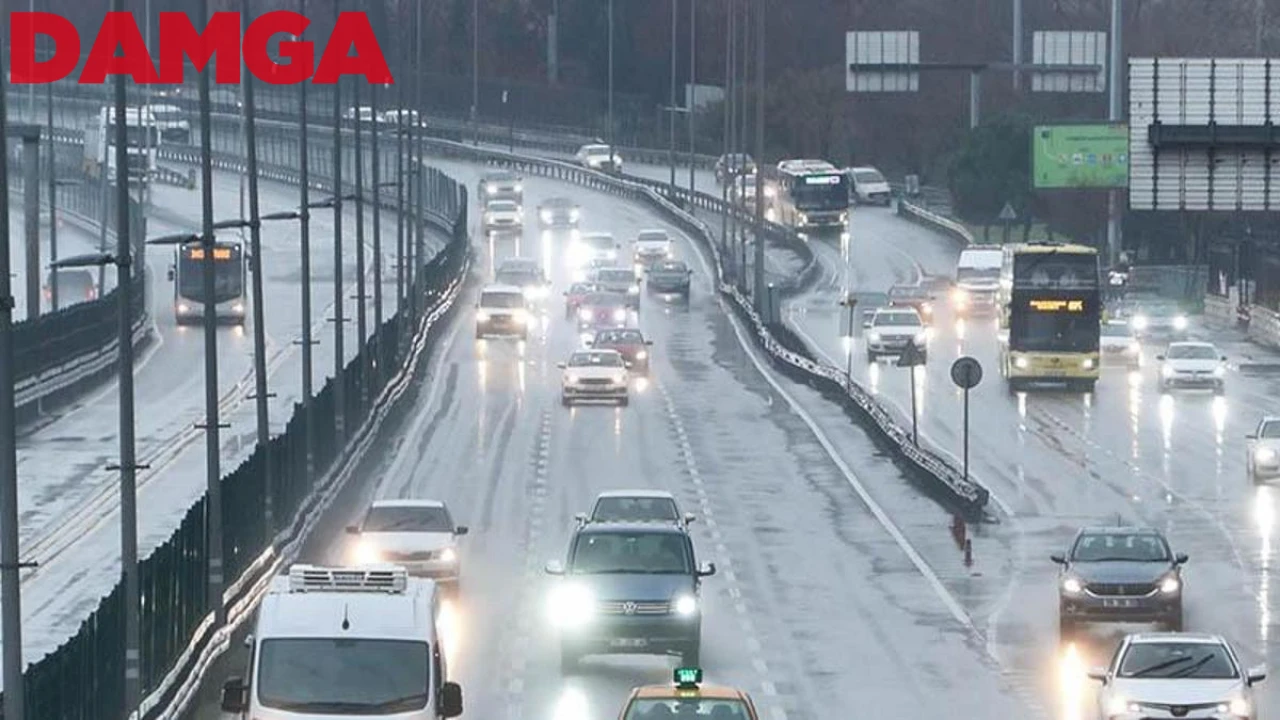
418,535
598,157
503,311
1176,675
1119,344
636,506
1263,461
594,375
652,246
502,185
890,330
364,112
502,215
1192,365
396,117
869,186
526,274
593,246
617,280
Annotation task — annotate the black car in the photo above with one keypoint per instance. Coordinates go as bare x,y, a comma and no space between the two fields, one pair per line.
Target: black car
559,212
1119,574
629,588
913,296
669,278
501,185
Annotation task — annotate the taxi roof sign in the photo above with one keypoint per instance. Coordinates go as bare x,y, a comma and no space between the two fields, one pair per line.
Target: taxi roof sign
687,677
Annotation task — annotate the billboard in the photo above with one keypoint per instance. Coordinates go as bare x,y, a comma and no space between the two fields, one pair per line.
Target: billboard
878,47
1080,156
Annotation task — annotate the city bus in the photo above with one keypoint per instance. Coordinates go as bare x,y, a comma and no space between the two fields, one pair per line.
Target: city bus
808,195
230,274
1050,304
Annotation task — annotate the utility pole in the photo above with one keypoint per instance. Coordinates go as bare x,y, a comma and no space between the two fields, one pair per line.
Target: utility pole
339,353
53,200
410,244
31,218
741,136
758,289
304,231
10,582
213,477
610,129
418,171
260,392
128,460
693,78
475,65
400,191
726,141
377,228
1017,44
671,111
553,44
1115,113
361,328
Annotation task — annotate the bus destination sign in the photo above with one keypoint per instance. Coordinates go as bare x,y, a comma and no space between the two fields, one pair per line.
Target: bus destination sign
1056,305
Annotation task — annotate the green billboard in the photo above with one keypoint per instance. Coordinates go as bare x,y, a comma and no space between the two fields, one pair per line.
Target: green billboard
1080,156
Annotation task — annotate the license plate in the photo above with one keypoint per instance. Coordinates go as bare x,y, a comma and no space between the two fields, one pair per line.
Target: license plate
1055,373
628,642
1119,603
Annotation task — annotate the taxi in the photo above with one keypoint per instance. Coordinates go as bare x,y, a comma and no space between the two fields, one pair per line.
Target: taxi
688,699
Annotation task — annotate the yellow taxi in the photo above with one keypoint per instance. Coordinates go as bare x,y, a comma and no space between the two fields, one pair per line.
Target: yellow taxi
688,699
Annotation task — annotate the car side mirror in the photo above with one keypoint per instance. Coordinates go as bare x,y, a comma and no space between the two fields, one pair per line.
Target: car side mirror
707,569
866,325
1224,358
689,518
235,696
1160,357
461,530
450,700
353,529
1257,674
1251,436
1060,559
648,342
560,365
1180,559
580,517
589,343
171,274
1099,674
555,567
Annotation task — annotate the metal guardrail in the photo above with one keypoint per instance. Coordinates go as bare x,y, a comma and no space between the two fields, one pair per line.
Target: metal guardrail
941,224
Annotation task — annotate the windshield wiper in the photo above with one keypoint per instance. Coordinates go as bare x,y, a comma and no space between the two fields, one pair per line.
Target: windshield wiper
408,702
1186,671
1159,666
1122,559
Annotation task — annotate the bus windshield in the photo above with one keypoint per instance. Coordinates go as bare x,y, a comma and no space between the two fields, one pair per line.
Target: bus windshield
1057,325
1055,270
228,283
820,192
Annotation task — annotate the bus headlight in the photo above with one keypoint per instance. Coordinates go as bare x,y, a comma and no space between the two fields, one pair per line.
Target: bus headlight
1180,322
1135,347
490,190
922,337
873,337
619,315
1072,586
803,218
184,308
238,308
367,553
573,215
519,187
844,217
1021,363
633,290
1087,363
448,555
546,216
482,315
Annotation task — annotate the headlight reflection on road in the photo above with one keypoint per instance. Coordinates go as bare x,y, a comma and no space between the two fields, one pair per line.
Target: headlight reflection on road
641,384
873,376
1219,411
919,376
449,624
572,705
1073,684
1264,512
1166,420
960,328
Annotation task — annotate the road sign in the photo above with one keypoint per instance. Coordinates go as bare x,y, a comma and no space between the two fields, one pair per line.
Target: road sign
966,372
1007,213
880,48
911,356
1069,48
1201,135
1084,155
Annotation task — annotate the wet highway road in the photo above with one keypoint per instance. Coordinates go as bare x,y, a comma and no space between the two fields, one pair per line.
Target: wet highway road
1056,460
815,606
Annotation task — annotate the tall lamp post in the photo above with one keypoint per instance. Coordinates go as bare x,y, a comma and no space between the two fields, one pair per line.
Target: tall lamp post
758,284
693,77
304,233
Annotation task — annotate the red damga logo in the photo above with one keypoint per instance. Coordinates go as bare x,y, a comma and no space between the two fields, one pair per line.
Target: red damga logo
119,49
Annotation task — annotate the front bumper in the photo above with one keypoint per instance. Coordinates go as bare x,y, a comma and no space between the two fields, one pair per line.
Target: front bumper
503,328
501,224
833,220
581,390
1083,607
668,287
1049,367
976,304
1193,380
881,198
892,345
631,635
433,569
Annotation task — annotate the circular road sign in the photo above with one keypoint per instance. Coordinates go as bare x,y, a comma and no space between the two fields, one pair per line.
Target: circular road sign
966,372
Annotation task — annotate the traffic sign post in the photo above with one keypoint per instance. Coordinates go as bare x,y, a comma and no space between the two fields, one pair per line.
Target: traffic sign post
849,303
1007,216
910,358
966,373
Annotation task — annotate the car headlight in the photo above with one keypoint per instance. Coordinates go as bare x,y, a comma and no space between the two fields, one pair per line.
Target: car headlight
572,605
1166,372
1180,322
803,218
519,187
1120,706
926,308
1072,585
482,315
367,553
1170,585
1021,363
183,307
584,314
1265,455
642,355
873,337
1087,363
546,216
844,217
611,254
572,379
448,555
1238,706
573,215
633,290
922,337
1135,347
619,315
770,192
685,605
1219,371
490,190
960,296
1140,322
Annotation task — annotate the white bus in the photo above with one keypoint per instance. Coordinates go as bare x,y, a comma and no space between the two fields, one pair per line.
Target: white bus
143,138
808,195
230,281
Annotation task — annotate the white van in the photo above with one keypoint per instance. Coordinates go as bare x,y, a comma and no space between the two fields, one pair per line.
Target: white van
977,280
868,186
359,642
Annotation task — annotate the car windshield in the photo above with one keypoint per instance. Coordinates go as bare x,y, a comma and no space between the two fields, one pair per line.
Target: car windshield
652,237
1117,330
641,509
502,206
868,176
672,268
558,203
616,276
519,277
407,519
501,300
1192,352
686,709
505,178
1120,547
897,319
1178,661
653,553
1162,310
596,150
619,337
599,242
907,293
346,675
596,359
1270,430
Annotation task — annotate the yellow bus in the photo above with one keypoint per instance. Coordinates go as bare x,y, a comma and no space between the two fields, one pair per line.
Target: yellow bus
1050,301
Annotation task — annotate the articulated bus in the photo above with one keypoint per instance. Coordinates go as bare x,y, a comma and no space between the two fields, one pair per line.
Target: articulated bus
1050,302
808,195
230,273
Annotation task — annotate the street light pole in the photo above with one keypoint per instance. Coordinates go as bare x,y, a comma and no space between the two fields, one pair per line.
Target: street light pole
475,66
759,257
339,354
53,200
671,114
377,223
260,393
726,224
304,230
360,289
420,220
693,77
400,191
610,114
213,477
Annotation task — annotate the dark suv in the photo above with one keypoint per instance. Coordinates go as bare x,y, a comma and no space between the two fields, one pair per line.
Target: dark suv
1119,574
629,588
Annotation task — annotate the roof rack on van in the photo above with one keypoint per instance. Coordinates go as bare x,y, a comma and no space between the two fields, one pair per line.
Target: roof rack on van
372,578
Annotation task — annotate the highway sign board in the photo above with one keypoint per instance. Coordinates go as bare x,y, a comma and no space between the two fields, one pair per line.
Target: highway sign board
1069,48
881,47
1080,156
